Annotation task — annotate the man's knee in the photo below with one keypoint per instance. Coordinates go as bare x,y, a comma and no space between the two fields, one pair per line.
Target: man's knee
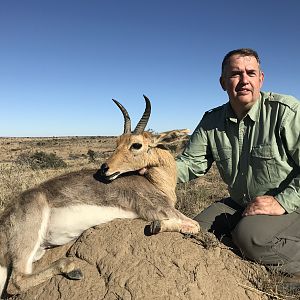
220,217
251,238
270,240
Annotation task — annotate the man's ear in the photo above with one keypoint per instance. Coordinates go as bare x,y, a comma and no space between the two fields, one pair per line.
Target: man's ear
222,82
261,77
169,137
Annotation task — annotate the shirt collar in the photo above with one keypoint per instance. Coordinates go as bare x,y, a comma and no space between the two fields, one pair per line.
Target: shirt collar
253,112
229,113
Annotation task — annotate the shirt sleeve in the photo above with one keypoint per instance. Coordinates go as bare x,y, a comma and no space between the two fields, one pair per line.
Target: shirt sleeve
196,159
289,198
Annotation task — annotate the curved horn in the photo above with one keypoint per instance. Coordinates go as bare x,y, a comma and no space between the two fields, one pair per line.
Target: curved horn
127,121
140,127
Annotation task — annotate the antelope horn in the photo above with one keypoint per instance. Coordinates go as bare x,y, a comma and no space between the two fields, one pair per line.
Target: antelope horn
127,122
140,127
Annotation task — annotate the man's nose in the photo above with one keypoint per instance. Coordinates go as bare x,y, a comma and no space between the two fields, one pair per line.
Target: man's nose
245,78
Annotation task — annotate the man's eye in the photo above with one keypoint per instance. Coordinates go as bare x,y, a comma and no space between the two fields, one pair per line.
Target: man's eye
136,146
234,75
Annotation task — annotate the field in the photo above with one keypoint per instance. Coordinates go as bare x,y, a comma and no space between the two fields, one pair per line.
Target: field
84,153
77,152
20,170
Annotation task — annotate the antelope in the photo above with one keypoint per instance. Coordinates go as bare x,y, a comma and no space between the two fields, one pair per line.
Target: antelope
137,181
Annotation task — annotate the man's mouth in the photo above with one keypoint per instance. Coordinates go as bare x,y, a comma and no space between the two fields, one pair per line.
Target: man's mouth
243,91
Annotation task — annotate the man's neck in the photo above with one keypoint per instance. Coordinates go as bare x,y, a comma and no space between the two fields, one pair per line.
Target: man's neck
241,111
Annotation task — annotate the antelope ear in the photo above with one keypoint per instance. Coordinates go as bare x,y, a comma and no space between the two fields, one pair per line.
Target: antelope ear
169,137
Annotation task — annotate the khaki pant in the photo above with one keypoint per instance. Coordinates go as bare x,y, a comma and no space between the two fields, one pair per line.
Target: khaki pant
270,240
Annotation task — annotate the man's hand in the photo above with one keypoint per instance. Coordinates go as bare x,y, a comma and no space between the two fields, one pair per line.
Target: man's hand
264,205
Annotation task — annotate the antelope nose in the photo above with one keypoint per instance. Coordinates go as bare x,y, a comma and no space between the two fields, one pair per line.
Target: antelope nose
104,168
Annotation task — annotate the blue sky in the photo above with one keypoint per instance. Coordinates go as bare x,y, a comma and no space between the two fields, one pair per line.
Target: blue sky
62,61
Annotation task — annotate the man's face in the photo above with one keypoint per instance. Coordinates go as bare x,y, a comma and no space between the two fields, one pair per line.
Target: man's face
242,79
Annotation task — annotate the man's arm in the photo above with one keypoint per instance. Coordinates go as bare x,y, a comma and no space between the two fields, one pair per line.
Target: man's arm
196,159
289,198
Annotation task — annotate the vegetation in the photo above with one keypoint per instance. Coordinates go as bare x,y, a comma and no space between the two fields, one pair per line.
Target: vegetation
41,160
25,169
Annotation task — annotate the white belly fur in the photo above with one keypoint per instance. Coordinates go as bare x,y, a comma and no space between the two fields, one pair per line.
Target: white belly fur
67,223
3,277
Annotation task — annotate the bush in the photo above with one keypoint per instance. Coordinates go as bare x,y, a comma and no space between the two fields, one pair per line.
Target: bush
41,160
92,155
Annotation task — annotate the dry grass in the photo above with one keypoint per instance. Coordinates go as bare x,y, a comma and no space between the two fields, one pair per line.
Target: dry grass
198,194
89,152
16,177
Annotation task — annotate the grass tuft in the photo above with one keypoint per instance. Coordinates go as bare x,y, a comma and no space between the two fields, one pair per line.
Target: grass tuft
41,160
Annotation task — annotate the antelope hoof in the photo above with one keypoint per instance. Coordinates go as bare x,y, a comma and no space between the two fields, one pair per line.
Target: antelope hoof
75,274
190,228
155,227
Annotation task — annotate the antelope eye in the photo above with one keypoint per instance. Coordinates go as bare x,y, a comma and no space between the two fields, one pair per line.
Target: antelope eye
136,146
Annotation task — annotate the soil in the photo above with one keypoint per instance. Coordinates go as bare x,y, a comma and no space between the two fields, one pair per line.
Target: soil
119,261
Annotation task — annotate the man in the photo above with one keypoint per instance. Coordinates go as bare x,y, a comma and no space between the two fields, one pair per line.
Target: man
255,141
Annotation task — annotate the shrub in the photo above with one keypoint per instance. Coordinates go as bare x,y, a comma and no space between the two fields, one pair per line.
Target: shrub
92,155
41,160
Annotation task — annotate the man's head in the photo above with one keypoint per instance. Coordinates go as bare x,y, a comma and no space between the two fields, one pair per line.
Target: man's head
242,79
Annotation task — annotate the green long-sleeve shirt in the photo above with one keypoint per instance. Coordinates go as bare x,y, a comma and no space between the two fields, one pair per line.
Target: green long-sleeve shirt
258,155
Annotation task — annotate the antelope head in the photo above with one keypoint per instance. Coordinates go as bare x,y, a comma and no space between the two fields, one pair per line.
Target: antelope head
135,149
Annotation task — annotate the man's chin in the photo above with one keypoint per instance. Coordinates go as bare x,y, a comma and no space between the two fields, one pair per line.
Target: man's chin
245,99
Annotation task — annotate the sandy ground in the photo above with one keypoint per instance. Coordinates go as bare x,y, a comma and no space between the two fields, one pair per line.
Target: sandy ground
120,262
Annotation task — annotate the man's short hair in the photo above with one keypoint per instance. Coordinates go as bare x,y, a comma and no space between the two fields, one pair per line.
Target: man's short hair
242,52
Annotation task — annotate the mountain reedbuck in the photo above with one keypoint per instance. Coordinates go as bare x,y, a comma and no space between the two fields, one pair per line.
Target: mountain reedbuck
137,181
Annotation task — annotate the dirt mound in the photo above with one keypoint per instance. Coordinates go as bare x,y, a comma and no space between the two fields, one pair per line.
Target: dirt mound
120,262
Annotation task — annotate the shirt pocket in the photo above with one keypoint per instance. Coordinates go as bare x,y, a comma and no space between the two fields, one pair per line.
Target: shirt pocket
263,164
223,159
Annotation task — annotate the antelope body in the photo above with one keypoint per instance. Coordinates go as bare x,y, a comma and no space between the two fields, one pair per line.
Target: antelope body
59,210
